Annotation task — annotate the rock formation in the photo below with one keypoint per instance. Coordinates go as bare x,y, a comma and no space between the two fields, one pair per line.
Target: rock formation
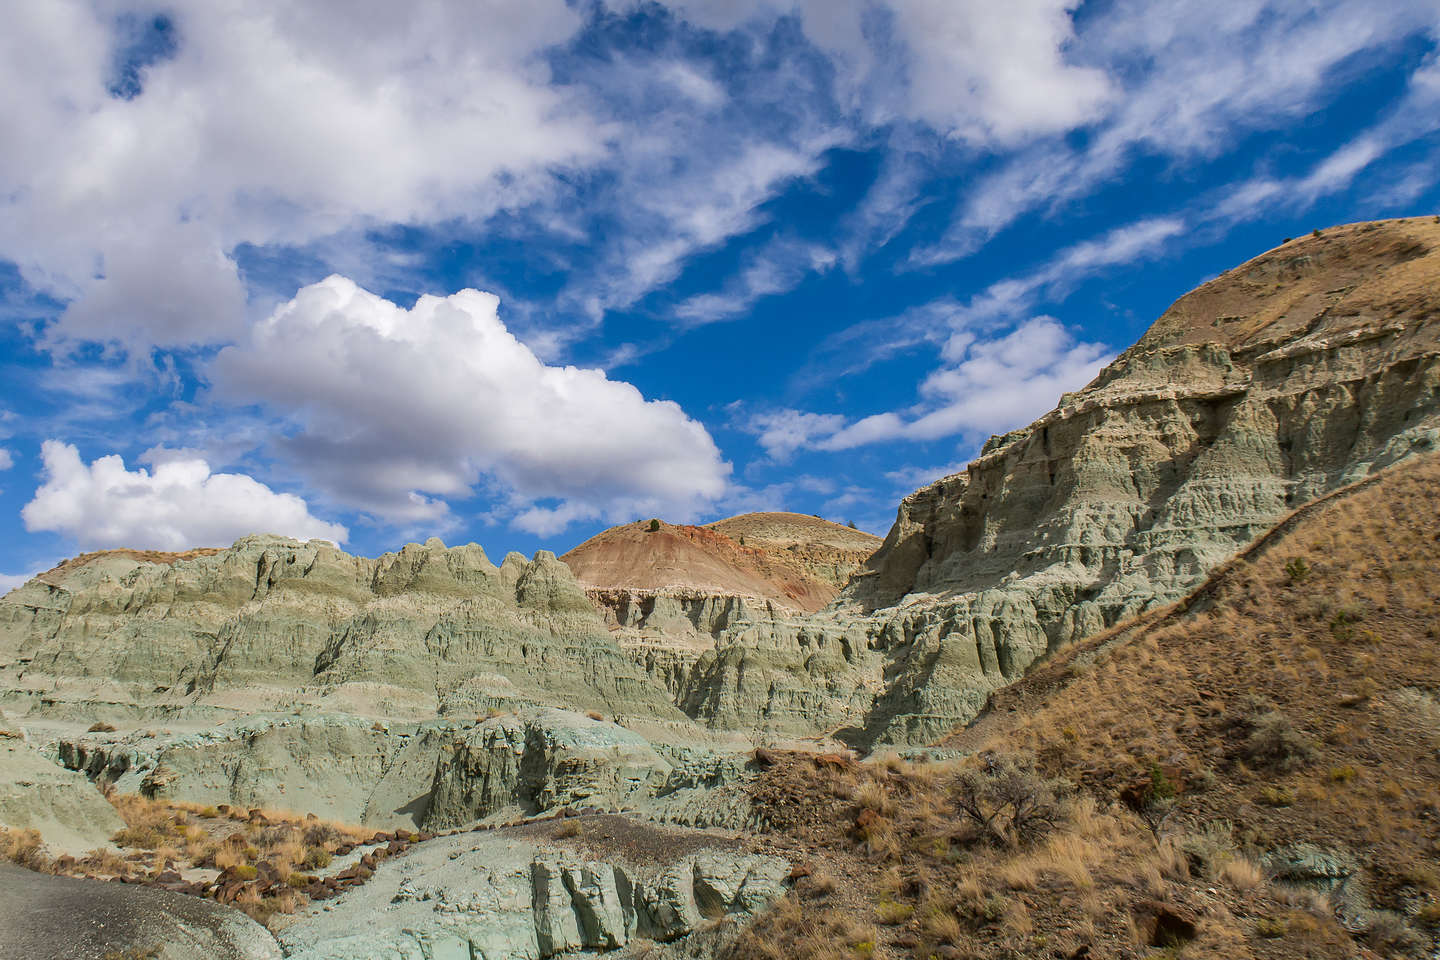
292,674
37,794
668,592
1303,369
431,686
507,897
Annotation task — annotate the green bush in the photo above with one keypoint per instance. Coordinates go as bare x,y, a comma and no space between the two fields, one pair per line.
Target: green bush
654,526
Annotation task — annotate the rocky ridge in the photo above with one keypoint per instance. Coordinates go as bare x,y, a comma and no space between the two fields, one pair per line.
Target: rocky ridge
1308,367
295,675
431,686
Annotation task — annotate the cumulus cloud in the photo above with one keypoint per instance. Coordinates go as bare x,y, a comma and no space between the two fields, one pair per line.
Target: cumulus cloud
178,504
256,123
782,432
397,412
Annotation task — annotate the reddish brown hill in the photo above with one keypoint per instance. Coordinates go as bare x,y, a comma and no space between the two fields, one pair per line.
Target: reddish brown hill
797,560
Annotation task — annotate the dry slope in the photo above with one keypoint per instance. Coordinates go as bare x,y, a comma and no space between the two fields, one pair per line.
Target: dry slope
1289,704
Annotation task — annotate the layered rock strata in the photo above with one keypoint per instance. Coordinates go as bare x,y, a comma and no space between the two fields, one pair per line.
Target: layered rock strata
1302,370
293,675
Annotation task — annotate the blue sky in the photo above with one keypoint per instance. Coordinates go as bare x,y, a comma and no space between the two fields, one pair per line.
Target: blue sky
511,272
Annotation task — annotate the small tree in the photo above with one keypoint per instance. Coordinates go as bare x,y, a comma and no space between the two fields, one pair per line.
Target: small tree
654,526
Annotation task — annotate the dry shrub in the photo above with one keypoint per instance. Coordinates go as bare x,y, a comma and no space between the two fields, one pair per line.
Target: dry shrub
791,931
940,924
230,855
1067,857
1274,742
25,848
316,858
1008,802
570,828
874,795
104,861
1243,874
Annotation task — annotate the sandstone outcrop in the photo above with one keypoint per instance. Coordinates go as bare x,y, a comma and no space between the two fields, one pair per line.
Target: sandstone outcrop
1299,371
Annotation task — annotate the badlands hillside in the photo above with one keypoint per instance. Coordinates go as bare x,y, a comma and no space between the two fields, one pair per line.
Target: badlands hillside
667,592
625,775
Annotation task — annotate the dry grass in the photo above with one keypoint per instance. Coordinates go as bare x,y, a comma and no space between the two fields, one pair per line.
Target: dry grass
273,852
1282,707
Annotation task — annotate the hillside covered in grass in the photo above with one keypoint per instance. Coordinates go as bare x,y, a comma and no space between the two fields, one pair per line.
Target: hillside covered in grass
1249,773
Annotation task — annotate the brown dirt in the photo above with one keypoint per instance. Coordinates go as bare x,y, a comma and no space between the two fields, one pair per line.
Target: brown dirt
1344,643
1349,276
780,564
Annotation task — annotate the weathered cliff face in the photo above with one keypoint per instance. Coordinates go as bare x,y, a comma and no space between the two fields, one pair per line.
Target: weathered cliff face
1300,371
420,684
272,624
668,594
291,674
509,897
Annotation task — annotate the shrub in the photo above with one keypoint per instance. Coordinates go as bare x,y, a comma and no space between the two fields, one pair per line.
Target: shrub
1009,802
891,913
316,858
654,526
100,726
570,828
1276,797
1297,569
1274,742
1158,800
23,847
1389,932
1270,928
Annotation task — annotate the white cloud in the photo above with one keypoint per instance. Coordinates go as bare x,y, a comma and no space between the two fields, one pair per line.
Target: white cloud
10,581
397,411
776,267
177,505
995,385
7,459
989,73
1196,77
272,121
782,432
